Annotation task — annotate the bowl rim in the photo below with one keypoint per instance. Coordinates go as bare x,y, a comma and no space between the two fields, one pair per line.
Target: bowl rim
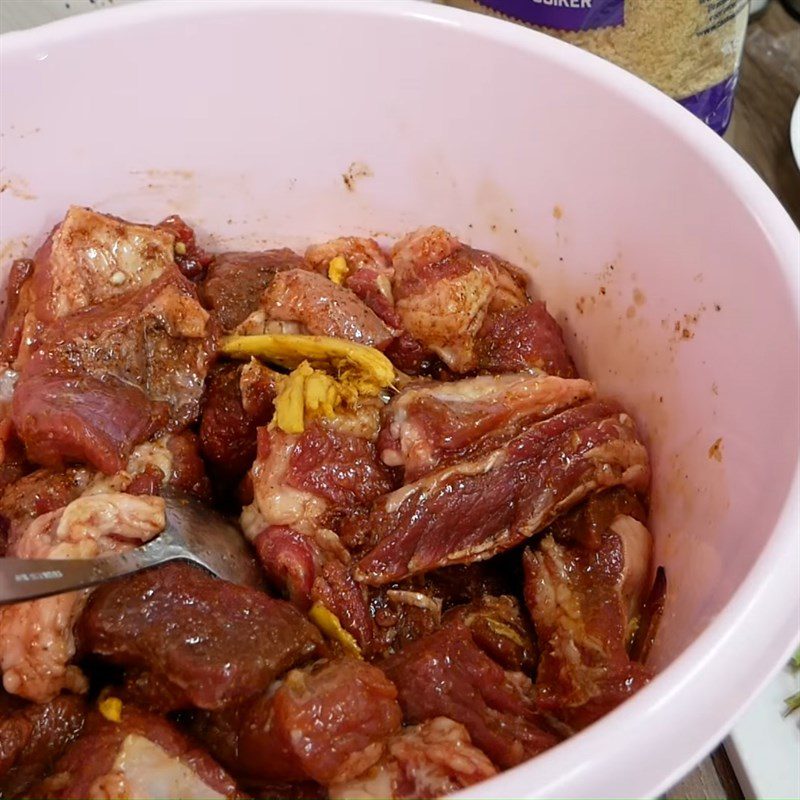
735,654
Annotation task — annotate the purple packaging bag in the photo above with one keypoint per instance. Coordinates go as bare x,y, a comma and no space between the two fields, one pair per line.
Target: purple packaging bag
716,24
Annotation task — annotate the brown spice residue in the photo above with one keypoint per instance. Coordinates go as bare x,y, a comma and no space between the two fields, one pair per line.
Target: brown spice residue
687,334
715,451
638,297
18,188
714,389
558,212
355,171
631,312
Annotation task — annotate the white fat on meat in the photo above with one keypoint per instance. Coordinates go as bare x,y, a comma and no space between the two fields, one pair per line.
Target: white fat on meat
94,257
513,397
36,638
275,501
144,770
150,455
637,554
259,323
427,760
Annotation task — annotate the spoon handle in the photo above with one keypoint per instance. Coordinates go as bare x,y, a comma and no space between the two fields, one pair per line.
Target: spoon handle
30,578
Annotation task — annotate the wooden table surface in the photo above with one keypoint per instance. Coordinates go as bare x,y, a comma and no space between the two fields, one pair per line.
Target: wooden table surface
768,89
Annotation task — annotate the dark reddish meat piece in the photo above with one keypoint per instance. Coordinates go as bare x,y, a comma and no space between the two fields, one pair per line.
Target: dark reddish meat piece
432,424
88,769
463,583
500,630
343,469
18,299
304,485
522,338
33,736
297,565
289,559
650,619
192,260
81,418
336,589
236,281
215,642
412,357
325,723
188,471
586,524
374,289
476,509
227,429
580,603
13,464
448,674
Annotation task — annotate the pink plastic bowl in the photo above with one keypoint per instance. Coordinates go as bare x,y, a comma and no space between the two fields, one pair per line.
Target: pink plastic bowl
670,264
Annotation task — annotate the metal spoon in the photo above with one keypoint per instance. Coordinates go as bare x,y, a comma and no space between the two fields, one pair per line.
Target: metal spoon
193,533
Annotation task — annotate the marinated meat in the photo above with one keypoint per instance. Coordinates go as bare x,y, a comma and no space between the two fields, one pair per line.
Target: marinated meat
341,468
368,272
499,629
214,642
191,259
586,523
428,760
236,281
33,736
302,485
430,424
476,509
87,259
63,419
141,756
471,541
106,378
326,723
523,338
319,306
585,606
36,638
40,492
90,257
18,299
444,290
238,400
158,339
449,674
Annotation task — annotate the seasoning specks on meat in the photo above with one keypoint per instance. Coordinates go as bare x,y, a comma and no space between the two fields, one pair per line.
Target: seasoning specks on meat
453,520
